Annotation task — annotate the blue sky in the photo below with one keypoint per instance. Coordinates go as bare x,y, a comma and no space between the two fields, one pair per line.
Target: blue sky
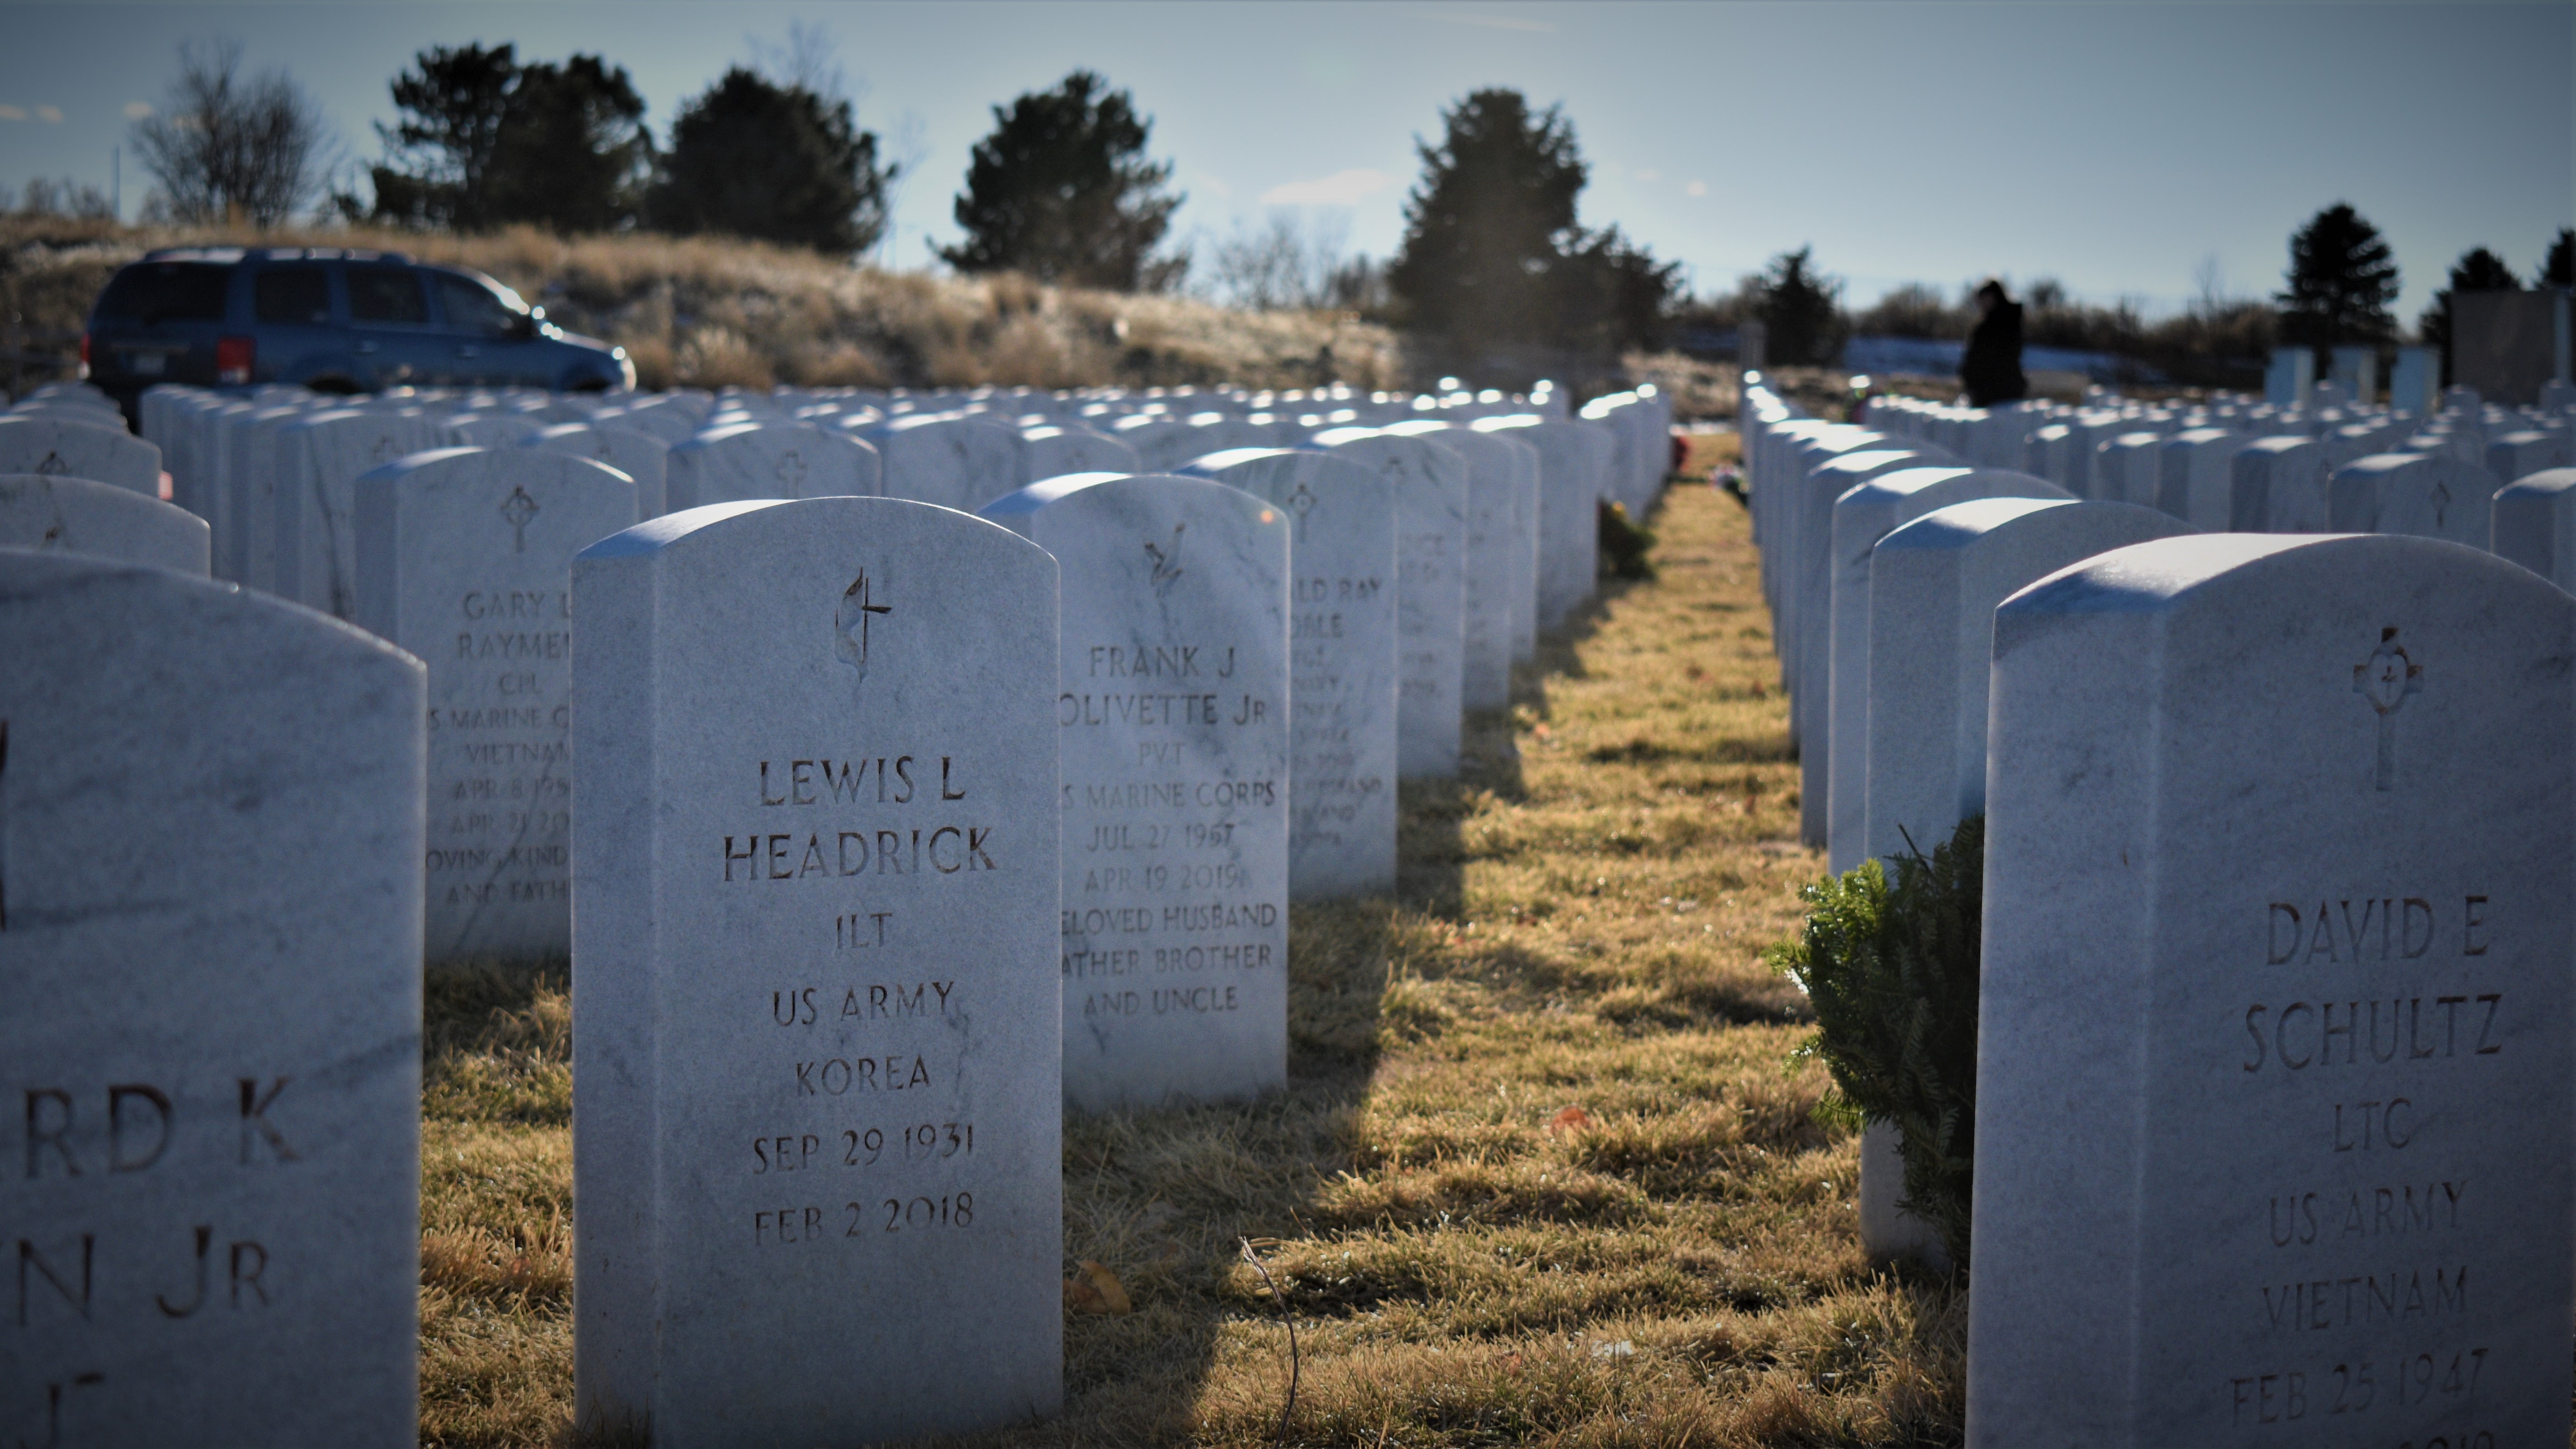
2127,149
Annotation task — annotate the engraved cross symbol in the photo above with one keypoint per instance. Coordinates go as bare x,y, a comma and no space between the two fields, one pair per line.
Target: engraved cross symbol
516,510
851,627
791,470
1166,561
1301,503
2385,679
2441,501
53,463
384,445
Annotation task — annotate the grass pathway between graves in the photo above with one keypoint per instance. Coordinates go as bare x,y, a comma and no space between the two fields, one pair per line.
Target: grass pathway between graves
1540,1176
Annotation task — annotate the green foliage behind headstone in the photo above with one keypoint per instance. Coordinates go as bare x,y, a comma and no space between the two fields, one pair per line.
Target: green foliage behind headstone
1892,971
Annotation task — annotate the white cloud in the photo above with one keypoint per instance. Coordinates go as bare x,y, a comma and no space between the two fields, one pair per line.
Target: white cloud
137,110
1650,177
1342,188
1696,188
51,115
12,113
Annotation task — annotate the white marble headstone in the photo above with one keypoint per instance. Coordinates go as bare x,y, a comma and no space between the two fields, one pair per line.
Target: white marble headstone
2128,468
1052,452
2274,1076
319,458
2277,485
746,461
1862,517
465,559
637,454
1173,715
1501,557
1341,663
2518,454
82,447
1431,492
955,461
81,515
209,1014
816,1122
1574,462
2534,525
2429,495
2195,479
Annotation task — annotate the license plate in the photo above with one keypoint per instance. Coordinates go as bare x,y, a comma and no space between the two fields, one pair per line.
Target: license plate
147,364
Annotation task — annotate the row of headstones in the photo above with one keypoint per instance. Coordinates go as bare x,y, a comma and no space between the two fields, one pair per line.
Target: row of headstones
2278,948
850,771
233,458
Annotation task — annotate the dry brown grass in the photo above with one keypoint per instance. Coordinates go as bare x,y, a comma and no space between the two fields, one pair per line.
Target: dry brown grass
1540,1176
715,312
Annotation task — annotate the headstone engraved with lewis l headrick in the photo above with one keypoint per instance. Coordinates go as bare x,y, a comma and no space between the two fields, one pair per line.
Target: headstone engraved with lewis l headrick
2274,1085
817,1040
210,1052
1172,707
465,559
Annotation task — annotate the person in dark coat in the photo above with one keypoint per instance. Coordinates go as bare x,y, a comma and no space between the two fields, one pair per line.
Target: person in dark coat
1991,367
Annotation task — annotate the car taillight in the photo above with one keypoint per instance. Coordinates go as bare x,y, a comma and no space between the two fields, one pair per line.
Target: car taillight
84,362
233,358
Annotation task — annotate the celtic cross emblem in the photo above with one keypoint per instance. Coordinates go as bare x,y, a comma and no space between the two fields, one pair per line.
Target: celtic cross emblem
1301,503
516,510
851,627
2385,679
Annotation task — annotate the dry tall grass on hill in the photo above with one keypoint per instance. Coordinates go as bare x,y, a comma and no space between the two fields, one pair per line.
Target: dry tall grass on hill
714,312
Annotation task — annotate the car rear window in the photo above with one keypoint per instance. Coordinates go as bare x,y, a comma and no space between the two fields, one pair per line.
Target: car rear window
299,295
150,292
386,294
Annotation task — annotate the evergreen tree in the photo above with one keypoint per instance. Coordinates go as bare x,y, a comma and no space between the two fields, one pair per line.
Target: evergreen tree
485,141
1801,310
2560,268
754,158
1062,191
2341,280
2477,270
1489,223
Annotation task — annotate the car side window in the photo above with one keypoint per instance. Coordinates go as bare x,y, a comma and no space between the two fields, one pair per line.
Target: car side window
386,294
471,307
297,295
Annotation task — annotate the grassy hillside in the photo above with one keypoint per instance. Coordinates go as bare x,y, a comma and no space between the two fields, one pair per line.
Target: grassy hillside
712,312
709,312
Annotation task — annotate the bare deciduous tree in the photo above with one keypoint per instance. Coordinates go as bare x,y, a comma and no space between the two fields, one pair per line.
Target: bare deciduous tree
1282,263
234,147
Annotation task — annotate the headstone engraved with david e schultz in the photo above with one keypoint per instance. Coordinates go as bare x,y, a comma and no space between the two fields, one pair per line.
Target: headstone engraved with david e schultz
2274,1086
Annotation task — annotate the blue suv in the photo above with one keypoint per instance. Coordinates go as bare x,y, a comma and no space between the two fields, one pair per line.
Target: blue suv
335,321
